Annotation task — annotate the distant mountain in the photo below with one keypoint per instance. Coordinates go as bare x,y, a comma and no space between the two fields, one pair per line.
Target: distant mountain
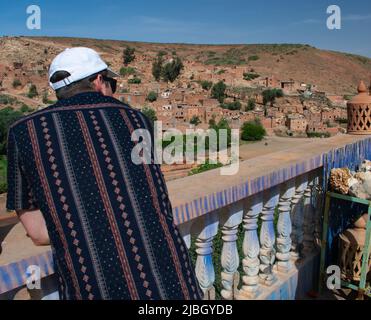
28,58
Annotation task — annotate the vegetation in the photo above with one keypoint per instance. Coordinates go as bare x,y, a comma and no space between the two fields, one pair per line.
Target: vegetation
270,95
206,85
205,167
253,131
195,121
25,108
250,76
16,83
32,92
318,134
221,125
126,71
233,56
3,174
152,96
253,58
7,117
250,104
150,114
157,66
135,80
172,69
7,100
235,105
218,91
128,55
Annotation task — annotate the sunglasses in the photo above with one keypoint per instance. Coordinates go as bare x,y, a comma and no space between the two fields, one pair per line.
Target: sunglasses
112,82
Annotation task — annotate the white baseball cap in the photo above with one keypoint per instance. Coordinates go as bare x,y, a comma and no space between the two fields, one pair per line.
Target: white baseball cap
80,62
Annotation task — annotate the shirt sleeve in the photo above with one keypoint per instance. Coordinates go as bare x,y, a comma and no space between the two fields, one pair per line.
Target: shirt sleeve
20,194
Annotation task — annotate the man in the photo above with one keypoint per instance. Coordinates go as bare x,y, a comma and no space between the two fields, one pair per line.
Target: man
73,184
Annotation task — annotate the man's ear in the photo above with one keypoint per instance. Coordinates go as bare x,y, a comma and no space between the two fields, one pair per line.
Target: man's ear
98,83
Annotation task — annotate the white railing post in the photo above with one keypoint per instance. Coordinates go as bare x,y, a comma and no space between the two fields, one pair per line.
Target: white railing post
318,207
267,238
185,231
297,217
206,228
251,246
231,218
308,223
284,227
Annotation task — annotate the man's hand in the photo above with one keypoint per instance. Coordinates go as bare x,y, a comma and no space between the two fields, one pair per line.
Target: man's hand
34,223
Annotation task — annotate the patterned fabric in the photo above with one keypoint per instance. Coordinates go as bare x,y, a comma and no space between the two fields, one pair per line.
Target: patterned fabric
109,220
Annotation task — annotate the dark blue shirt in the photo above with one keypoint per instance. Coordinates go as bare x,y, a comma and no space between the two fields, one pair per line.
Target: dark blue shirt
109,220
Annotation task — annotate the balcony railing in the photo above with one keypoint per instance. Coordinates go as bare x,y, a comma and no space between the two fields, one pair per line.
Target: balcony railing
268,217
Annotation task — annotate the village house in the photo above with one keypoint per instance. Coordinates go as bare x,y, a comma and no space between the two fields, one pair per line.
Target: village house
297,124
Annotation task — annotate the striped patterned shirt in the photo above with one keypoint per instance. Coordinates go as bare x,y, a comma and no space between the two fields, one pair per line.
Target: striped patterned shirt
109,220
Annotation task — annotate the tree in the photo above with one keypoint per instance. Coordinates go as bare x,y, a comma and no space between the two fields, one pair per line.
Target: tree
250,104
270,95
253,131
218,91
32,92
195,121
16,83
150,114
206,85
135,80
152,96
221,125
7,117
172,69
157,67
235,105
128,55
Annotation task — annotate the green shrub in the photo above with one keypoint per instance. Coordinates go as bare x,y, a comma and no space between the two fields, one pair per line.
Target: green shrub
16,83
252,131
318,134
135,80
7,100
235,105
152,96
206,85
195,121
25,108
171,70
126,71
270,95
205,167
128,55
250,104
253,58
250,76
32,92
150,114
218,91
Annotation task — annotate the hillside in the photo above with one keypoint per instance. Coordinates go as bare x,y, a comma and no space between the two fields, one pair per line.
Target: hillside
27,59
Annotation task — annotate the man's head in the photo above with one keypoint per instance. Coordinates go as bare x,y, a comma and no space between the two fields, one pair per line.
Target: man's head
78,70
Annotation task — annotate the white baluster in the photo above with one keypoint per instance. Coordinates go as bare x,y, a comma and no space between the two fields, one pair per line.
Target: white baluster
284,228
267,238
206,228
308,224
251,246
230,220
318,203
297,217
185,231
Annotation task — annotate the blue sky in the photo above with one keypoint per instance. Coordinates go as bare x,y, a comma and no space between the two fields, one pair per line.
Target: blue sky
198,21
